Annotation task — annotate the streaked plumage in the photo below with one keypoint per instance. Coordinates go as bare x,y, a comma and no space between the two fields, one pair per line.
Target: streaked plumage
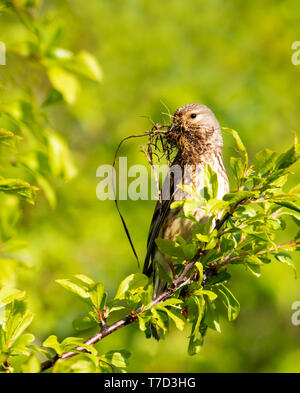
197,134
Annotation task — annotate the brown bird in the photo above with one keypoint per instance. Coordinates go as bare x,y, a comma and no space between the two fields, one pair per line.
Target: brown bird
197,134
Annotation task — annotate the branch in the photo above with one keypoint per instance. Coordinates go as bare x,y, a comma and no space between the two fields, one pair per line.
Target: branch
176,285
229,259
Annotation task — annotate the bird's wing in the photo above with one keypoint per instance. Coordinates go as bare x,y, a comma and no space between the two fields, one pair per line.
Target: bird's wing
159,215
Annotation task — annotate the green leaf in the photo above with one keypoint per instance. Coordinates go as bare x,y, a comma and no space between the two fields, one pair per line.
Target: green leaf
199,267
211,295
18,187
196,307
97,294
211,181
230,302
253,260
118,359
82,363
169,248
143,321
84,323
53,97
254,269
189,250
79,290
290,157
64,82
159,319
7,138
60,159
264,161
8,295
239,144
176,317
86,65
237,167
289,205
32,365
171,302
70,343
189,206
85,279
134,281
19,318
220,277
21,344
52,342
83,64
284,257
202,238
212,317
236,197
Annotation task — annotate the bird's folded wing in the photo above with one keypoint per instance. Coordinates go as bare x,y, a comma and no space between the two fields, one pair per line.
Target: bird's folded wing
160,213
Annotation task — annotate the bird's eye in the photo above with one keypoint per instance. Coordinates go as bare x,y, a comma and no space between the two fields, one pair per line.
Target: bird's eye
193,115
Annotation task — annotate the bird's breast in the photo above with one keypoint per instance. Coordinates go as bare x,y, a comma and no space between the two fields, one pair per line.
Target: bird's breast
193,175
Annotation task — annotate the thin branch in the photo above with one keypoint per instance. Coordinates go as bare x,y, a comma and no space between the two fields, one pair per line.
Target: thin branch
177,284
230,259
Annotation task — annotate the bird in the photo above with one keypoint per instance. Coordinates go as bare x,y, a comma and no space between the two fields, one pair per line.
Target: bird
196,134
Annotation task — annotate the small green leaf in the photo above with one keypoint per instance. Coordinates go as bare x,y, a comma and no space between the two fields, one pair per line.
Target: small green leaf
118,359
254,269
75,288
64,82
18,320
176,317
97,294
134,281
264,161
82,363
7,138
84,323
52,342
199,267
211,295
8,295
202,238
18,187
169,248
196,307
284,257
289,205
237,167
60,159
239,144
85,279
212,316
88,66
32,365
211,181
21,344
53,97
231,303
290,157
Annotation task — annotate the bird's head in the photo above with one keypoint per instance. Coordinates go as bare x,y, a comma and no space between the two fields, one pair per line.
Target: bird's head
195,126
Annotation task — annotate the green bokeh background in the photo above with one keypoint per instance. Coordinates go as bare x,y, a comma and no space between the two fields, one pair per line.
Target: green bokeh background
235,57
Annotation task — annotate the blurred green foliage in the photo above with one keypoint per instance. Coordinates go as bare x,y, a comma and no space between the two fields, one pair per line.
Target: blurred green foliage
67,116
